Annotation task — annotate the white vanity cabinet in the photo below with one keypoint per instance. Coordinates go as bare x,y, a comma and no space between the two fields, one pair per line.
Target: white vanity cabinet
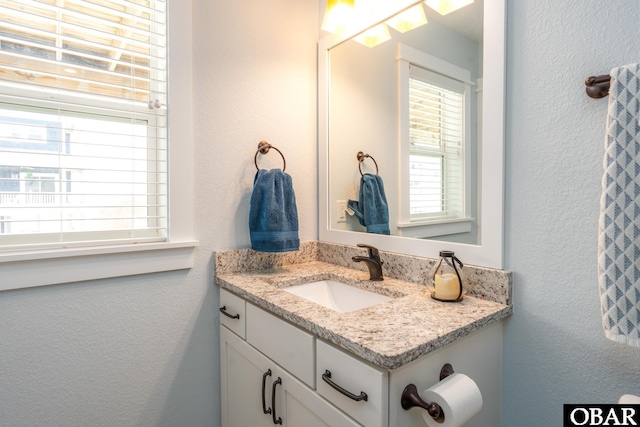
257,391
268,364
247,376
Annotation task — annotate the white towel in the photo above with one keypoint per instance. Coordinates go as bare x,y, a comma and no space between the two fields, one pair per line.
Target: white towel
619,228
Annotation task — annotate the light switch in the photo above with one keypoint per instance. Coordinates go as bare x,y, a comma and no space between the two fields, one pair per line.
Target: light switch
342,210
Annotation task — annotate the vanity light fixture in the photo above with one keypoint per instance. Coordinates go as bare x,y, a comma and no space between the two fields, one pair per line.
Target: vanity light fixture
409,19
447,6
374,36
338,16
341,16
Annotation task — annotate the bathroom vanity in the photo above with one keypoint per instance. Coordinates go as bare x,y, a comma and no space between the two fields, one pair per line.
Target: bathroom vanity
287,360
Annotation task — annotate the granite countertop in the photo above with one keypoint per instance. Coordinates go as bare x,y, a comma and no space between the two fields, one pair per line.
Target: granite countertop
388,335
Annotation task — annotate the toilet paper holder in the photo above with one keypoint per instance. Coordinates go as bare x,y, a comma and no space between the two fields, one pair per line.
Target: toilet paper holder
411,398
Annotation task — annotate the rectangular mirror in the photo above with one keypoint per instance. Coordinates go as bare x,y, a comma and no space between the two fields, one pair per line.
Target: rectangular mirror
443,176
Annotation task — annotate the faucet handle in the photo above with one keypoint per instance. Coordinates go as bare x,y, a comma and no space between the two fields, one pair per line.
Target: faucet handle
373,251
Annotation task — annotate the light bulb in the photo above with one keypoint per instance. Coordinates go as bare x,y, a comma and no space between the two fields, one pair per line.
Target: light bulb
338,16
374,36
447,6
409,19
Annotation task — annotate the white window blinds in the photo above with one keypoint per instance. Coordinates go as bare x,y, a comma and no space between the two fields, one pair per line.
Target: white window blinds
436,152
83,140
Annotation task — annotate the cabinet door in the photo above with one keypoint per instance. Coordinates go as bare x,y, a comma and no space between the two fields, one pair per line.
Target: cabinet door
242,370
299,406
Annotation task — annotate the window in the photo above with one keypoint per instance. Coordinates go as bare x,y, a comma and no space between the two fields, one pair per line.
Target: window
435,136
81,122
85,168
39,187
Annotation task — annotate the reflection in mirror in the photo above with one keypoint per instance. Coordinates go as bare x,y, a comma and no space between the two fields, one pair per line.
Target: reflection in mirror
380,101
410,103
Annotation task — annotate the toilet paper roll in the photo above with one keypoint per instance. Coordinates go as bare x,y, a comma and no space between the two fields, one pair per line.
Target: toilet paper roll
629,399
458,396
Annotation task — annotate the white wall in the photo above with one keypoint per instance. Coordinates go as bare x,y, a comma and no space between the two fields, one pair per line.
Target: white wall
555,351
143,350
255,80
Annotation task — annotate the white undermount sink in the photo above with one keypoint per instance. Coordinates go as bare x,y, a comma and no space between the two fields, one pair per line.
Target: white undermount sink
336,295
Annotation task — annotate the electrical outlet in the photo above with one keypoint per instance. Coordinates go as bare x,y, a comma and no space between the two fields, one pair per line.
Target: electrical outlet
341,205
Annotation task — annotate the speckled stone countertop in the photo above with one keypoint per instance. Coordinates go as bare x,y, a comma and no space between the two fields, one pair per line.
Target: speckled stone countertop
388,335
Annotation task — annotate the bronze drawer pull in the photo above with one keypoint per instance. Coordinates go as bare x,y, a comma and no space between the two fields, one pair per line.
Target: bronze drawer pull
223,310
327,378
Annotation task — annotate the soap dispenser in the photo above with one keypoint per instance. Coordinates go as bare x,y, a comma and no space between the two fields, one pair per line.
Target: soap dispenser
446,278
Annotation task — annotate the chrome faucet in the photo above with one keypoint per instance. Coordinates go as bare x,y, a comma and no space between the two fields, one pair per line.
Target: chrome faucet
372,262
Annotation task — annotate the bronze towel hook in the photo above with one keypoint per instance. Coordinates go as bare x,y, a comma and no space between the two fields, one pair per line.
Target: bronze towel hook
263,148
361,156
598,86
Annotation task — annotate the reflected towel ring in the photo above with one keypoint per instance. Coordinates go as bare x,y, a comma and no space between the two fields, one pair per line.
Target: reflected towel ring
263,148
361,156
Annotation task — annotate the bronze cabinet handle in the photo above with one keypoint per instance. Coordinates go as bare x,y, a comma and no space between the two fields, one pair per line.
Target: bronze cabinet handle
223,310
327,378
273,401
264,383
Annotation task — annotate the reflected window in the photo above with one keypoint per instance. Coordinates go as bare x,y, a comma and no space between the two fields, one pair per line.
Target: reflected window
435,134
437,144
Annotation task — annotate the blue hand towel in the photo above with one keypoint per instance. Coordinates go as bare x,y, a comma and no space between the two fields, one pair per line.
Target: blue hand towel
273,216
371,209
619,228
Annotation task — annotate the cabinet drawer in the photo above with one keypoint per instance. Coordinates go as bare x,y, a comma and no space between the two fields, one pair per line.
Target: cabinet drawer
355,376
284,343
233,306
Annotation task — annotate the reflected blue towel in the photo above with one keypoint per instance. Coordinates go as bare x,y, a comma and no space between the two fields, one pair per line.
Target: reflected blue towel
371,209
273,216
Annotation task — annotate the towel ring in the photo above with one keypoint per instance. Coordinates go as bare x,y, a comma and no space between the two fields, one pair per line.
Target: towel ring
263,148
361,156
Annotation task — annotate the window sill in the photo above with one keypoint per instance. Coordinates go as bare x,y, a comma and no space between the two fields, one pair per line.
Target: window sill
50,267
443,227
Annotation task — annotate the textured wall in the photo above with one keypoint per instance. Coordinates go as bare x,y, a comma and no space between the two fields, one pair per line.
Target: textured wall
143,351
555,351
255,79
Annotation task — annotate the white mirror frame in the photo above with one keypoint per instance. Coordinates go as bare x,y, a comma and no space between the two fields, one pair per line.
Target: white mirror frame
489,253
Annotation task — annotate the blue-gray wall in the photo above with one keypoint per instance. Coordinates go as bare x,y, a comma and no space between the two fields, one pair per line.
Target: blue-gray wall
555,351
